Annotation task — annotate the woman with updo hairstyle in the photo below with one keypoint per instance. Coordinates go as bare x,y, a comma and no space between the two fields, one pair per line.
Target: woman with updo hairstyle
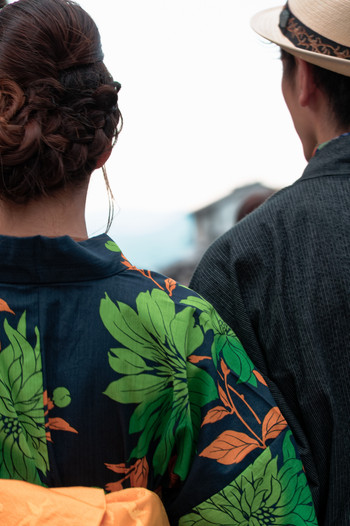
111,376
59,107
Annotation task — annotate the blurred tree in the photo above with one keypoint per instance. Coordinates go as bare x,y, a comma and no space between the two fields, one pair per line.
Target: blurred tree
2,3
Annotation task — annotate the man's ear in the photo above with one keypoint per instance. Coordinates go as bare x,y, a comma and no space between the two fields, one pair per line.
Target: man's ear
305,82
103,158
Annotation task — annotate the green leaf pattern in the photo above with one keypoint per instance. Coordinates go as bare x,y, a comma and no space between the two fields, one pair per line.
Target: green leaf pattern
168,390
263,494
226,345
22,421
170,361
156,371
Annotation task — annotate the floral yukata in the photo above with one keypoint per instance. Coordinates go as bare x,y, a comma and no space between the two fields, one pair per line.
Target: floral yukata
115,377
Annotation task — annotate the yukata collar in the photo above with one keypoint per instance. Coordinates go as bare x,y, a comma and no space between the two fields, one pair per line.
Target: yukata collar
333,159
42,260
323,144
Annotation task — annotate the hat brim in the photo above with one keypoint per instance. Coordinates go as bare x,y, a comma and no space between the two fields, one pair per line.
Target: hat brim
266,24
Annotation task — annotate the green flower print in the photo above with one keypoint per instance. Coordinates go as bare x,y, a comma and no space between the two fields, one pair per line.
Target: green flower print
22,421
261,495
154,374
226,345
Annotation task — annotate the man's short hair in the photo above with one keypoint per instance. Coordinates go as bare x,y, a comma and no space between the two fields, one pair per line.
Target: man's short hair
335,86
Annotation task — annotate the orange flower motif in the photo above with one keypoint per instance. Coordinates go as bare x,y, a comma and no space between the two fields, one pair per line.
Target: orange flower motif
170,285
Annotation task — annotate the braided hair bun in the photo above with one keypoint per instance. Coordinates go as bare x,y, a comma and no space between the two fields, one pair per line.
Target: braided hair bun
58,102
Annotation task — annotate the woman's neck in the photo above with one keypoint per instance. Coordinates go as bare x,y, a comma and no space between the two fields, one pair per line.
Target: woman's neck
63,214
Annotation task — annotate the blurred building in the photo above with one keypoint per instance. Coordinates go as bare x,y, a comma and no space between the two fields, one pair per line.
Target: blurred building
215,219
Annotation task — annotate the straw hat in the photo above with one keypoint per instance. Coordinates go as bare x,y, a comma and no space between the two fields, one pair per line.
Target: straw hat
317,31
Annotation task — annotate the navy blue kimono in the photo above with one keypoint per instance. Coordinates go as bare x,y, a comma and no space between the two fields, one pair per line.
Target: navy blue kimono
113,377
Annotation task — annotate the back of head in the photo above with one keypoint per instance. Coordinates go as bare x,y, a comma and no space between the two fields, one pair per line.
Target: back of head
335,86
316,31
58,102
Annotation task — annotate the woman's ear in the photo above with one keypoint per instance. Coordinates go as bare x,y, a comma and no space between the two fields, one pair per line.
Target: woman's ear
103,158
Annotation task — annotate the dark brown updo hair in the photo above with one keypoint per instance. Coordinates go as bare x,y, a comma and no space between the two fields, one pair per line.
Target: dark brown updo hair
58,103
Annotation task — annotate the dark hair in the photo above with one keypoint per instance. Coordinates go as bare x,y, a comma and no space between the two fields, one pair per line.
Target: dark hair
335,86
58,102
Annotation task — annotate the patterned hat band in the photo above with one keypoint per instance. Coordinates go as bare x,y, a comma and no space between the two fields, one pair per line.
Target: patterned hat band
305,38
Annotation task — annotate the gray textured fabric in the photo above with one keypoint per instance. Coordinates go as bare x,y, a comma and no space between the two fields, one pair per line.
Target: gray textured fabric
281,279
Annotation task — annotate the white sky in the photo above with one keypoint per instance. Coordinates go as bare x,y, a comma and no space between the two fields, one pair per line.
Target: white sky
201,101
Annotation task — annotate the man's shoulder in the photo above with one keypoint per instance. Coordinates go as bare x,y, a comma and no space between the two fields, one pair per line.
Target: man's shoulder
279,214
252,243
259,224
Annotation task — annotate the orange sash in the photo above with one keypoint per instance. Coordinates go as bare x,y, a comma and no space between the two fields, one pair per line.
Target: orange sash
24,504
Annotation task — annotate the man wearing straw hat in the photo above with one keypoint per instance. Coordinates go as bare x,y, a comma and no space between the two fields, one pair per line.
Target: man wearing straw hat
281,276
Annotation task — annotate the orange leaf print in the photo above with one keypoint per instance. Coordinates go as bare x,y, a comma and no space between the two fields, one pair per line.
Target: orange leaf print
138,472
127,263
118,468
197,359
47,401
273,424
259,377
223,397
170,285
147,274
174,480
58,424
4,307
224,368
139,477
214,415
230,447
114,486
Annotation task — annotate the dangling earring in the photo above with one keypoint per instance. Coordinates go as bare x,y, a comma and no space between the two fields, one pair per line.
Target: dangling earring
110,200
